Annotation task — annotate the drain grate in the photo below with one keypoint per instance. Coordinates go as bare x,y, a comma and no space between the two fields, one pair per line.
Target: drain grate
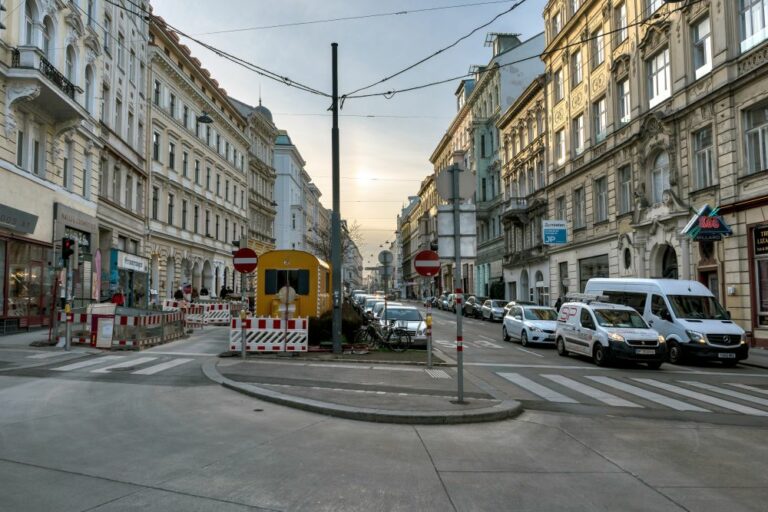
438,374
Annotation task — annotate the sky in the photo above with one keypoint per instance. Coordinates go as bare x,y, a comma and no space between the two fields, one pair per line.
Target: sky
382,158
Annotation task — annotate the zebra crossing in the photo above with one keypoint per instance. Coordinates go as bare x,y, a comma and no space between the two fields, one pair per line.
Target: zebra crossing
131,365
468,344
681,394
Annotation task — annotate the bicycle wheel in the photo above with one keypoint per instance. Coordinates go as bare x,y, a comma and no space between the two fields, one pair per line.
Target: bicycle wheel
362,336
399,340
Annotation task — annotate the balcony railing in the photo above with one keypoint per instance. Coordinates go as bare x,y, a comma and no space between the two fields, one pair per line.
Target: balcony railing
515,204
50,72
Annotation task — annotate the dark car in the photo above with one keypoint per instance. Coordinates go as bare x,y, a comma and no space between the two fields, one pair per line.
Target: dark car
473,306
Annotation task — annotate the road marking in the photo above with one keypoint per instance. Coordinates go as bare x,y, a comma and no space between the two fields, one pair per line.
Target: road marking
703,398
537,389
487,338
84,364
647,395
545,366
333,365
125,364
751,388
162,366
727,392
47,355
528,352
486,344
187,354
396,368
438,374
595,393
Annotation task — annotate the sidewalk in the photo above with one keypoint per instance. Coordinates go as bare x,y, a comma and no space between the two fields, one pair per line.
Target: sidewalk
366,391
758,357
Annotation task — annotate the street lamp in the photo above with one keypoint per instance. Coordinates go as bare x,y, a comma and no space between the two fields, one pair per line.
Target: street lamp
204,118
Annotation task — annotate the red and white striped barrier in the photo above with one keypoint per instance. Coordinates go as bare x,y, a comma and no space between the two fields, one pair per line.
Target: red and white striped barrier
194,316
174,305
269,335
148,321
217,314
81,328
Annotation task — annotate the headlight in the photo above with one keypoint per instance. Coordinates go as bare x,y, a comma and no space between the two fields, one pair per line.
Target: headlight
696,337
535,329
616,337
744,339
661,339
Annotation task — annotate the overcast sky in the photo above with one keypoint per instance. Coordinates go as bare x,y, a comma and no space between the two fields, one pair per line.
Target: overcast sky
394,148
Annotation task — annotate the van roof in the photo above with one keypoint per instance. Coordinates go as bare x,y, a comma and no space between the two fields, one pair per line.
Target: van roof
668,286
600,305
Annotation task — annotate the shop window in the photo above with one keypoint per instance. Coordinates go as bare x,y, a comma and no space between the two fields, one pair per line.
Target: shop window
596,266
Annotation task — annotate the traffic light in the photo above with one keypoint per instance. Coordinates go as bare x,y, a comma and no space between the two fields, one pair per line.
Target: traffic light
67,248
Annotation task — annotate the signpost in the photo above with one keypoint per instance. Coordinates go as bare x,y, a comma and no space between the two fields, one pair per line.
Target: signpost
427,264
707,224
245,260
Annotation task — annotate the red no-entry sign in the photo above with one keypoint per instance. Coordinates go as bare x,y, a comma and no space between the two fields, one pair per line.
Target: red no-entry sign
245,260
427,263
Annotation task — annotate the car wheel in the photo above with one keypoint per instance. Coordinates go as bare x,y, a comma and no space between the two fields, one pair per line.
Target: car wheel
675,353
654,365
504,333
560,345
524,338
600,355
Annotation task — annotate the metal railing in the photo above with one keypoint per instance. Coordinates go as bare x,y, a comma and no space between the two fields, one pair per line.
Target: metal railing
50,72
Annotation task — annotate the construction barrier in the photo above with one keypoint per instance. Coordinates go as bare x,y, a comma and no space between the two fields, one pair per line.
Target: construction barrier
174,305
194,317
82,327
217,314
269,335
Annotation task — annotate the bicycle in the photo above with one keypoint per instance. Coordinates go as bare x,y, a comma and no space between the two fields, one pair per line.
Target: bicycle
376,336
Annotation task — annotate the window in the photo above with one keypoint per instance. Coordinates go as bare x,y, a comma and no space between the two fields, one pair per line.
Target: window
132,66
702,157
579,208
576,68
218,185
90,11
596,266
20,148
69,171
226,230
653,6
218,143
226,149
48,35
660,177
578,135
130,128
208,135
172,105
155,202
156,93
170,208
185,116
234,194
625,189
621,22
107,33
601,199
560,213
753,18
185,164
197,127
702,48
557,81
120,51
658,78
586,319
197,172
624,107
560,147
118,116
69,67
557,23
226,190
156,146
208,178
217,226
598,47
129,191
600,119
172,156
184,214
757,139
575,4
207,222
196,220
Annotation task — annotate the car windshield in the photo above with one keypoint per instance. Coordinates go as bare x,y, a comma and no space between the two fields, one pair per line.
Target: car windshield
697,307
620,318
540,314
498,303
409,315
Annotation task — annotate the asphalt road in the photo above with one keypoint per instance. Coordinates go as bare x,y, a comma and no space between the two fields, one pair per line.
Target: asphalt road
130,433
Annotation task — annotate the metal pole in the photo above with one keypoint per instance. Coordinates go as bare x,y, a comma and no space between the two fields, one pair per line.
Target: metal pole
336,215
243,315
429,335
68,305
457,282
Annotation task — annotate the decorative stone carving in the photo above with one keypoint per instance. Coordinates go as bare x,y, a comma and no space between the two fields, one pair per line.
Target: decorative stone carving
598,81
17,93
652,125
63,130
559,115
577,100
655,36
753,60
702,87
620,66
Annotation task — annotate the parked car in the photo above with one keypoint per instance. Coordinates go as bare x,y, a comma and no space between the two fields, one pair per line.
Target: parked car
370,302
517,303
530,324
450,303
444,301
493,309
429,301
408,318
472,307
441,300
686,313
607,332
378,308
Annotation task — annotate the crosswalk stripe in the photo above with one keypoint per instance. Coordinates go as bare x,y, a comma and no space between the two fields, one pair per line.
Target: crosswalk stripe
160,367
647,395
595,393
125,364
85,364
47,355
750,388
704,398
727,392
537,389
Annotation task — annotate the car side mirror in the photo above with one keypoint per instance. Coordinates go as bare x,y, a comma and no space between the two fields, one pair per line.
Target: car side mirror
728,313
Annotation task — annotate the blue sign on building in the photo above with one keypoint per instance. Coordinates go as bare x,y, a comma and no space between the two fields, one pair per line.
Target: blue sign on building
555,232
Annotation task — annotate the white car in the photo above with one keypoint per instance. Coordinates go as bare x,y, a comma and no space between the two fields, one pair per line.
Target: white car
530,324
378,307
408,318
370,302
493,310
606,332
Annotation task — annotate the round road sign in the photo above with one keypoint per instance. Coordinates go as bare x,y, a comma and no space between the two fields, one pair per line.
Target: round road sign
427,263
386,257
245,260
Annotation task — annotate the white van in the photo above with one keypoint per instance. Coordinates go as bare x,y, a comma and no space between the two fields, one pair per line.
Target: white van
686,313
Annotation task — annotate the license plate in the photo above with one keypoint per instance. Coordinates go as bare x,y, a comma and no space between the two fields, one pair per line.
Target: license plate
726,355
645,351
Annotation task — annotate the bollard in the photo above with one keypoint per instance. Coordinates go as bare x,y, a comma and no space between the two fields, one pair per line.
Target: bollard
242,333
429,336
68,332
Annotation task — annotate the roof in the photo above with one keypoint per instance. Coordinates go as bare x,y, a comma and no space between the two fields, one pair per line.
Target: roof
670,286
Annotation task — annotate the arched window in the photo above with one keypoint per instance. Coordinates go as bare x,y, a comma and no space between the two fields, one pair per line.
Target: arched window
29,22
69,67
49,39
89,89
660,176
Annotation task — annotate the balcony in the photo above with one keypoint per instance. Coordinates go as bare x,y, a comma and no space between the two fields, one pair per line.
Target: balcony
484,208
516,210
517,258
35,81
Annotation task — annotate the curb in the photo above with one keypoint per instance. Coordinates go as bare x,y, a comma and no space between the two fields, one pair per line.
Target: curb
507,409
